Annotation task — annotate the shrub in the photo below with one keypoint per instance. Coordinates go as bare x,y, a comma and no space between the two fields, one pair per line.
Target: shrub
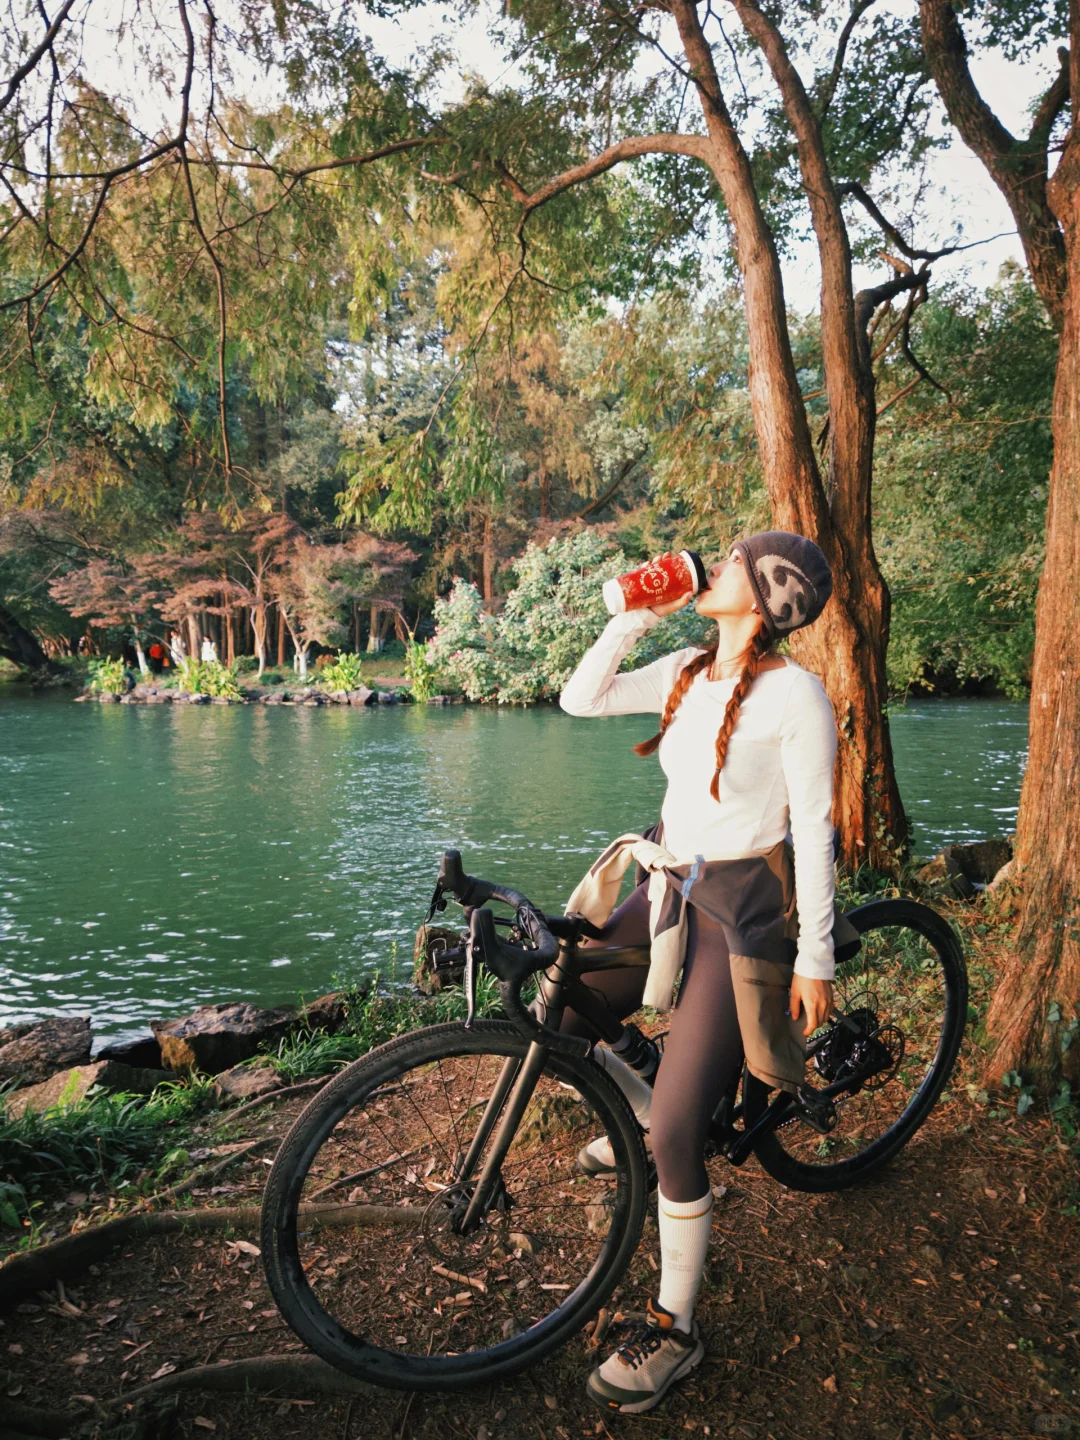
108,677
209,677
551,617
420,670
346,672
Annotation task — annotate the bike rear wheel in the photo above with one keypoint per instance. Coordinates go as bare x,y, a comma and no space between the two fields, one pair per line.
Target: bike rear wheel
359,1214
906,990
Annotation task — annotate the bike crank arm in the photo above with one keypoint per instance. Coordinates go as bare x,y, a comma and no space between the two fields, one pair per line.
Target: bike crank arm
815,1107
522,1093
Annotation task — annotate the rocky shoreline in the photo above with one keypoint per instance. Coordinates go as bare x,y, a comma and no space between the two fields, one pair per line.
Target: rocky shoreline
310,695
50,1060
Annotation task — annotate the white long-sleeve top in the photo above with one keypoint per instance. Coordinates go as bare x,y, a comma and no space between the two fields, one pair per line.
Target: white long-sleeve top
777,779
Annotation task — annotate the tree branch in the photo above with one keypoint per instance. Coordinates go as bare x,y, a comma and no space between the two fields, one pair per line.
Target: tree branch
828,87
854,189
629,149
1051,104
33,59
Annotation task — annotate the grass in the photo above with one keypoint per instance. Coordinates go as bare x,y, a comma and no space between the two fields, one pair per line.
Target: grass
105,1142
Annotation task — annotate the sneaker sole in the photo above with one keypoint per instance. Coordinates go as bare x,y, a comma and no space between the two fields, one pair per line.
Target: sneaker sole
640,1406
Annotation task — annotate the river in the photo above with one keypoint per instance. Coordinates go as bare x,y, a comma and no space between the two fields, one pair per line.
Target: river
156,858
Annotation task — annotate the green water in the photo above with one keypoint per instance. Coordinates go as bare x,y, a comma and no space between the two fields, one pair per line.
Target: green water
156,858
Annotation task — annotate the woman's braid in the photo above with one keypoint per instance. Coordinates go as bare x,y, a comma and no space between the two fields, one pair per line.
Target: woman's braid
687,676
759,648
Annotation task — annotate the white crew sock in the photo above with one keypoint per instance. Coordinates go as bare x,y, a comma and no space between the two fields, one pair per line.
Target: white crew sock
636,1090
685,1230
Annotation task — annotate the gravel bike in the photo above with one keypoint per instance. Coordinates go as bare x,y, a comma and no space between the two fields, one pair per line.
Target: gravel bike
426,1225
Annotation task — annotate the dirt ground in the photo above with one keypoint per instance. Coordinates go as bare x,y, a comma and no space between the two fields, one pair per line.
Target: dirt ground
941,1299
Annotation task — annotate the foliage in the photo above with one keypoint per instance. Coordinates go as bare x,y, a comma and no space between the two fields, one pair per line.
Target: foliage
108,677
103,1141
346,672
209,677
553,614
420,671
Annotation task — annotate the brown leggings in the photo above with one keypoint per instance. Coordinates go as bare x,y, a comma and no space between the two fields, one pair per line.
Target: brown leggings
702,1052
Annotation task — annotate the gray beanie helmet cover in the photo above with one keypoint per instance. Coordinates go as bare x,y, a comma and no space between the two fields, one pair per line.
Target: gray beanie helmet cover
790,578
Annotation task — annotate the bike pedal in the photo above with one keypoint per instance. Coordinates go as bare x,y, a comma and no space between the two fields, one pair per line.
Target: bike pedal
818,1111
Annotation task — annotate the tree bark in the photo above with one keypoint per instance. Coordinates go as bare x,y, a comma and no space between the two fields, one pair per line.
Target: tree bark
847,645
1044,963
18,645
374,644
489,559
280,637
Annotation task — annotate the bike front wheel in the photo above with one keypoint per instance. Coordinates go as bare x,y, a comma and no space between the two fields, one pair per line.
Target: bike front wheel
361,1226
905,993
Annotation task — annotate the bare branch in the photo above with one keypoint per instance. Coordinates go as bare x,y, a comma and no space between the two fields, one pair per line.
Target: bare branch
1051,104
34,58
629,149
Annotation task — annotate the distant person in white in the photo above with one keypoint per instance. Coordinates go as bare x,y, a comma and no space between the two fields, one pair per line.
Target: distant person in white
209,649
747,741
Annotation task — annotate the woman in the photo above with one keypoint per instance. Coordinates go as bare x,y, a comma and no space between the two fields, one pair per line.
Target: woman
747,741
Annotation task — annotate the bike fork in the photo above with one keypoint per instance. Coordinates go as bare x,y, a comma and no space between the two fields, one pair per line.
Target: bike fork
526,1078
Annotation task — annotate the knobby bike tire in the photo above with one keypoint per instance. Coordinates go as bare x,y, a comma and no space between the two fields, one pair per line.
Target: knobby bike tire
350,1352
796,1174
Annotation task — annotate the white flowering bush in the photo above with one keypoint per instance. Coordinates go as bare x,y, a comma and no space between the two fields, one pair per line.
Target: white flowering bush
551,617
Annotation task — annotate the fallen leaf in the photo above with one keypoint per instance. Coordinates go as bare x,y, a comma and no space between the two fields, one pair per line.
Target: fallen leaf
203,1423
830,1384
248,1304
1021,1199
245,1247
82,1358
551,1402
719,1191
15,1349
162,1371
990,1194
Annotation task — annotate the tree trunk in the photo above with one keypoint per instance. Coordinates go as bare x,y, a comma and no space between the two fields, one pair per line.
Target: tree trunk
18,645
846,646
144,668
258,630
302,652
374,644
545,490
356,627
1044,962
489,559
280,636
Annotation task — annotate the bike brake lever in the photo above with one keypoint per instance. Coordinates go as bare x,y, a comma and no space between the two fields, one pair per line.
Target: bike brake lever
437,903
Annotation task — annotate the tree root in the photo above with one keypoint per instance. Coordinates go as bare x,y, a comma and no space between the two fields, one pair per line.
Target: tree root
39,1269
208,1172
286,1093
260,1373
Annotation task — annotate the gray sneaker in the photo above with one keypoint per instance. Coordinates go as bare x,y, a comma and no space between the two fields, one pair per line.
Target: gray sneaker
643,1369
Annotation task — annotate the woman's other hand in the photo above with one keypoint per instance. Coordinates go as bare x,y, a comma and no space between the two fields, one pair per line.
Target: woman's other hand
670,606
812,998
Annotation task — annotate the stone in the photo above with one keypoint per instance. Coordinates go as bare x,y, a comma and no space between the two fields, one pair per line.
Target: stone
438,700
70,1086
15,1032
273,699
220,700
246,1082
53,1045
432,972
388,697
198,699
338,697
362,696
944,873
217,1037
328,1012
143,1052
108,698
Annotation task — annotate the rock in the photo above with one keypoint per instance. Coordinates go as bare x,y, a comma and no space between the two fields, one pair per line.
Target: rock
432,971
273,699
855,1275
438,700
14,1032
220,700
362,696
70,1086
388,697
338,697
108,698
961,869
143,1053
246,1082
53,1045
198,699
157,698
328,1012
944,873
217,1037
1002,877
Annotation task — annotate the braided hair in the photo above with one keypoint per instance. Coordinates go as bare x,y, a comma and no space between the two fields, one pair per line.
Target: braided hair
760,646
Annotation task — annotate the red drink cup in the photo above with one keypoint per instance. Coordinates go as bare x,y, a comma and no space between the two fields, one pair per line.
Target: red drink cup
668,577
